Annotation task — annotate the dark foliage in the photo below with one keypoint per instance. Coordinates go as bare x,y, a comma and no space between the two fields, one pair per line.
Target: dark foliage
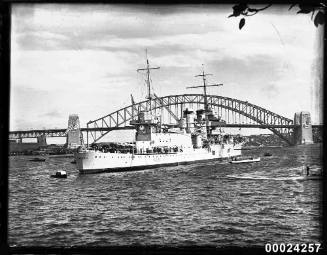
242,23
317,11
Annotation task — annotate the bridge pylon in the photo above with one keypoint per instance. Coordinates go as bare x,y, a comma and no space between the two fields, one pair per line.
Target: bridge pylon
73,132
303,131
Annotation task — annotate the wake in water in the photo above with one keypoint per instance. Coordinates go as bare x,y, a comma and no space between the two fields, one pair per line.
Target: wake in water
284,174
250,177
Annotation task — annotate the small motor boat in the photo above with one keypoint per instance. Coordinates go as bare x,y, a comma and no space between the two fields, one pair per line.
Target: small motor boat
60,174
267,154
309,173
238,160
37,159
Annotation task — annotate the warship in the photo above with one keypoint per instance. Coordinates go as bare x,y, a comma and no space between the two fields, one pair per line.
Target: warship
193,139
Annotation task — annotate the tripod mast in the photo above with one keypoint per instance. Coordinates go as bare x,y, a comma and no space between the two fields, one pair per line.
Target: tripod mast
206,106
147,69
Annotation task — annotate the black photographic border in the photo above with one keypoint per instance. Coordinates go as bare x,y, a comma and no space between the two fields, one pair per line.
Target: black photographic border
5,28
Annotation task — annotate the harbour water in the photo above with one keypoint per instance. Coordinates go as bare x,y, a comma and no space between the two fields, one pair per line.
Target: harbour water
214,203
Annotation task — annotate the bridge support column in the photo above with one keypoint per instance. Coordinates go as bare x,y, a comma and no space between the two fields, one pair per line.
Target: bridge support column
73,138
73,132
41,140
303,133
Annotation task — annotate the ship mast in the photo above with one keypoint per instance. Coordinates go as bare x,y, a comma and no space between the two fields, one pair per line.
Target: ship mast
206,106
147,69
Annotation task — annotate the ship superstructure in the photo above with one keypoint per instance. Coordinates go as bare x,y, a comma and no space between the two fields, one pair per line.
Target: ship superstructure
156,144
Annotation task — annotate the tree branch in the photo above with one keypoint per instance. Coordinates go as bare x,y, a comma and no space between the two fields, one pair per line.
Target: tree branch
264,7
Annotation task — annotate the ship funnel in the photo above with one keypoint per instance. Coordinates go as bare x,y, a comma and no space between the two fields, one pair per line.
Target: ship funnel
189,115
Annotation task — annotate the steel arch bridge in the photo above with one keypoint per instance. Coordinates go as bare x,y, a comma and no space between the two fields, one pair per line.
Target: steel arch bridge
231,110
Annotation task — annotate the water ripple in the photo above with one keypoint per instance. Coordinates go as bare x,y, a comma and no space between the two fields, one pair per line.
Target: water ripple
217,204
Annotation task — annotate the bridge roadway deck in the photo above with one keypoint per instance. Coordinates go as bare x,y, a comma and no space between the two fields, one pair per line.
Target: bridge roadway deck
62,132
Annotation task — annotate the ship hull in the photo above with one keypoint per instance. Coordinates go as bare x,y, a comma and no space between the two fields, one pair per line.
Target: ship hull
96,162
144,167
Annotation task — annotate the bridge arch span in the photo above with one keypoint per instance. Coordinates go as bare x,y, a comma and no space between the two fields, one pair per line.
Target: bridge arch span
123,116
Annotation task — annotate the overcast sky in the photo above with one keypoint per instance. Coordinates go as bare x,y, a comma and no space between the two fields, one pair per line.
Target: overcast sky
82,59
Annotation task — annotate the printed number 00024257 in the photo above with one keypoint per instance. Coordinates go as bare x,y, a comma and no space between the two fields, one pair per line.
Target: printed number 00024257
289,248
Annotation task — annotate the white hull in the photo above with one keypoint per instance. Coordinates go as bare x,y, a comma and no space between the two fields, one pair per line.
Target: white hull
245,161
95,161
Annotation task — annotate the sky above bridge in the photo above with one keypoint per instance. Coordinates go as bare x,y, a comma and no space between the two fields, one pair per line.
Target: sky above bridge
82,59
